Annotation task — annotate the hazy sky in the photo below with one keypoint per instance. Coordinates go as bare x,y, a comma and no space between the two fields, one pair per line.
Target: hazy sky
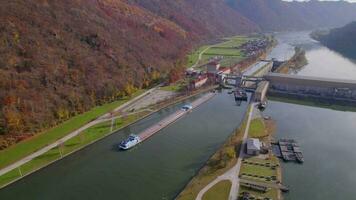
353,1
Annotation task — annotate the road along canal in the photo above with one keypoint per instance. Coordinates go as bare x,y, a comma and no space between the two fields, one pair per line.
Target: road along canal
156,169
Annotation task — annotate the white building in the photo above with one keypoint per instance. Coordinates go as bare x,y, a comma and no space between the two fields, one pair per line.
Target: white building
253,146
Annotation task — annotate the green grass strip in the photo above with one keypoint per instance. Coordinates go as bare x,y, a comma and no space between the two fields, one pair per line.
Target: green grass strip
24,148
88,136
220,191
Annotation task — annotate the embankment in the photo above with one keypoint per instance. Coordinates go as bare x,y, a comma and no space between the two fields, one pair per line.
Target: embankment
296,63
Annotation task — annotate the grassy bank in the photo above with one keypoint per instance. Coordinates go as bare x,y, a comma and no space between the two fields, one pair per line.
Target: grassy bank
220,191
257,129
229,49
194,56
264,169
26,147
88,136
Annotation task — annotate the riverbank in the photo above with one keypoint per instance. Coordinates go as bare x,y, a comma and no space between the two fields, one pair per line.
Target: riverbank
229,50
263,169
311,102
219,163
26,147
171,157
89,137
77,143
296,63
340,39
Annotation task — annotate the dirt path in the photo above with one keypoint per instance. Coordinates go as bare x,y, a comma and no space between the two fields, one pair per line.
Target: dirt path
200,56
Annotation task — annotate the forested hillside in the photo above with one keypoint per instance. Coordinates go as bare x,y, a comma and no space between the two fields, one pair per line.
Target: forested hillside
341,39
61,58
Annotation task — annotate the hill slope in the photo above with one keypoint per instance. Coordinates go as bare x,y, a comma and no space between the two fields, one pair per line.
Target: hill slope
61,58
341,39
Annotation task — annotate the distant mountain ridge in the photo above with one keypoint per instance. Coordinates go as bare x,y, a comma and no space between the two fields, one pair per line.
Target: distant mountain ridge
277,15
61,58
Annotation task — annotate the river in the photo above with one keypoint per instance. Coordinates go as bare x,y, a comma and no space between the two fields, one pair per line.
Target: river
157,169
326,136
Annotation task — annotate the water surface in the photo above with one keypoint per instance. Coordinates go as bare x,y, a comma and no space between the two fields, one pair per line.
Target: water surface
157,169
326,136
327,140
322,62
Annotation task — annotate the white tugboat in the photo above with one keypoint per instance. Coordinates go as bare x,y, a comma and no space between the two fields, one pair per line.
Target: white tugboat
130,142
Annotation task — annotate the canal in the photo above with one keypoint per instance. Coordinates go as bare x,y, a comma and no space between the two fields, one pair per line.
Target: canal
160,167
326,136
157,169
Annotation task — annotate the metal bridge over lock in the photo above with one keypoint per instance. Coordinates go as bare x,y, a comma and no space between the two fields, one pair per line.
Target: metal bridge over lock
242,81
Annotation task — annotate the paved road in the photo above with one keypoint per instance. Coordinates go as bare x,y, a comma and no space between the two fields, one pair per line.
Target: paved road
104,118
232,174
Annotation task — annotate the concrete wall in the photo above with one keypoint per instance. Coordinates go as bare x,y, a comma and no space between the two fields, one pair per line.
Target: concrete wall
261,91
323,88
264,70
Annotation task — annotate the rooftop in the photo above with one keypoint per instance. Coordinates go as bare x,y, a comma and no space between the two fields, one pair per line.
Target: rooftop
253,144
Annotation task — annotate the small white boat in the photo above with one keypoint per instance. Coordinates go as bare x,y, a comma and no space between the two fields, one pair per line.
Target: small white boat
187,107
130,142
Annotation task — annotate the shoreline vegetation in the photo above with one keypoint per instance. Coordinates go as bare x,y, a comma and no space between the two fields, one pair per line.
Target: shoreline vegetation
228,47
341,40
88,137
38,141
97,132
295,64
311,102
226,157
220,162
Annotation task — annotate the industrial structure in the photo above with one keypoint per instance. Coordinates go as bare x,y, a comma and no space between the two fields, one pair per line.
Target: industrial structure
323,89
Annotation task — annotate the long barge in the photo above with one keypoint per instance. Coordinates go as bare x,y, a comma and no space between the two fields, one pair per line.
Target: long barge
149,132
